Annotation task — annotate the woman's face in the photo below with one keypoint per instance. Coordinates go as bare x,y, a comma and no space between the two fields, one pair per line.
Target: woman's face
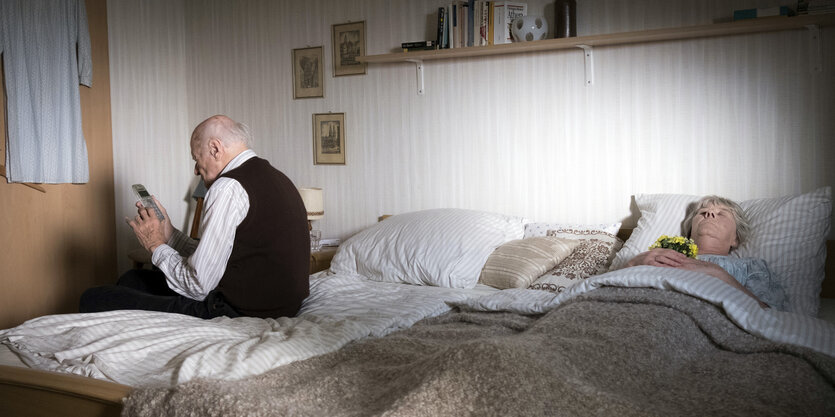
714,230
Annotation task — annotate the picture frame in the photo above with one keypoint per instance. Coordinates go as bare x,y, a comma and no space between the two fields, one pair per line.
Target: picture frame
329,139
308,72
348,44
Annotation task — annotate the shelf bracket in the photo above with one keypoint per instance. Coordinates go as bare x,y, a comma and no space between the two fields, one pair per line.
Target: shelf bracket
815,48
588,60
419,74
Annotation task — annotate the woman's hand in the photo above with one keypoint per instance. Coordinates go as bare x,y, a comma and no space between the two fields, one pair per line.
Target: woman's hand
672,259
659,257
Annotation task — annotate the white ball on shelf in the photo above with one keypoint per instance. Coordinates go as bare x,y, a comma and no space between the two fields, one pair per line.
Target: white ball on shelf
529,28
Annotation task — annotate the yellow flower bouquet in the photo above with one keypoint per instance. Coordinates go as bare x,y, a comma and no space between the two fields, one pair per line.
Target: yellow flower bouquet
677,243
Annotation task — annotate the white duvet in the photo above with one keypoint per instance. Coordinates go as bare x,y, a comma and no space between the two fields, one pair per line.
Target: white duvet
141,348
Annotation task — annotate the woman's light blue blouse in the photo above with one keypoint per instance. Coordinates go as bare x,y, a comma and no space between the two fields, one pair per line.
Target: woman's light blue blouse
754,275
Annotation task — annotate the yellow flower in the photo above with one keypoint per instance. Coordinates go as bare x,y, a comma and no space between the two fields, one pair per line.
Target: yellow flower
677,243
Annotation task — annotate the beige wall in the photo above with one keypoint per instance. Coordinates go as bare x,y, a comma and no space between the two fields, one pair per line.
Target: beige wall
58,243
740,116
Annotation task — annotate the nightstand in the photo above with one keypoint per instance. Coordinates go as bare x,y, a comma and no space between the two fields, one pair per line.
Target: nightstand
321,259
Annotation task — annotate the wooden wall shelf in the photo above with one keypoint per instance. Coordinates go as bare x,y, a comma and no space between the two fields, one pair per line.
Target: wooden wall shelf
740,27
587,43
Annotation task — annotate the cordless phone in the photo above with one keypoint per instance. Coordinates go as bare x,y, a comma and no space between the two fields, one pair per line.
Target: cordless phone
147,200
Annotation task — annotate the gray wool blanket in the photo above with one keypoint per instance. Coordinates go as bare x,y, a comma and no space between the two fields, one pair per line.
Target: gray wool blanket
613,351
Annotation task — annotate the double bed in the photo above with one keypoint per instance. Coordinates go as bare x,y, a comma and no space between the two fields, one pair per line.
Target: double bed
403,323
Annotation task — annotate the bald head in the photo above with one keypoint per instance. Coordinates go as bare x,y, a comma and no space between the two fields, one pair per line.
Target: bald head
214,143
228,131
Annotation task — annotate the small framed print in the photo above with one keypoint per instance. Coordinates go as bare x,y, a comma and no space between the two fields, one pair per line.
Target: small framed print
308,78
329,139
348,44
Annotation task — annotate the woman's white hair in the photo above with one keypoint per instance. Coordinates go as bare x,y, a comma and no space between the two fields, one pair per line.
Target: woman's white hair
743,228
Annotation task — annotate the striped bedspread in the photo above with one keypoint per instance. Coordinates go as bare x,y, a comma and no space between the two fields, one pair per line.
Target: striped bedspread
145,349
141,348
777,326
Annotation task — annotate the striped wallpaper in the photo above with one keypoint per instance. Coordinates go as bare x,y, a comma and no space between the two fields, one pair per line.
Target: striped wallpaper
741,116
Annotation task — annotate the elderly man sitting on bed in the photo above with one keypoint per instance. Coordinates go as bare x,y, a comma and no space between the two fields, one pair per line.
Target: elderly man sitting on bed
717,226
253,257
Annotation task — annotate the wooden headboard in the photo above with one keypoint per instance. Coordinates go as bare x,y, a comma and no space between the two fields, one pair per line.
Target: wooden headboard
828,287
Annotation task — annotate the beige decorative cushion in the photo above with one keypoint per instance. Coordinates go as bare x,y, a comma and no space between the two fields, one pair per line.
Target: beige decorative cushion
592,256
517,263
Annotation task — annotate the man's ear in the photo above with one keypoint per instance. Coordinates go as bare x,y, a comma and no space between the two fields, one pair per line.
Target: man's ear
215,148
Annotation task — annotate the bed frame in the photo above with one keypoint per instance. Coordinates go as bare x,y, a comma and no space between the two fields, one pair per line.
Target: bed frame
31,392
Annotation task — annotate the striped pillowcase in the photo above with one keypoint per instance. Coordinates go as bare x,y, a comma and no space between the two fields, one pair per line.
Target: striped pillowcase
789,233
661,214
438,247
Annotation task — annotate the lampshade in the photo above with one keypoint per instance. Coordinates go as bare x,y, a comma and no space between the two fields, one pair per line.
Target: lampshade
312,198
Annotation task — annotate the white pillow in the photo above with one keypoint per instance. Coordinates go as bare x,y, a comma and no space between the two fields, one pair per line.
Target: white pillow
438,247
661,214
541,229
789,233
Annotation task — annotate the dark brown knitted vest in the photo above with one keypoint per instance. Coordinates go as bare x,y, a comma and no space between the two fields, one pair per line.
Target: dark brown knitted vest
267,273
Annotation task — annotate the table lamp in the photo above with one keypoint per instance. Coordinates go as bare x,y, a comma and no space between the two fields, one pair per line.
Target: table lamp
312,198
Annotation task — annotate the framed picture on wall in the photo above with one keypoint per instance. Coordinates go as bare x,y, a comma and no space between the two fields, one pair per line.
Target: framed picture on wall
308,78
348,44
329,139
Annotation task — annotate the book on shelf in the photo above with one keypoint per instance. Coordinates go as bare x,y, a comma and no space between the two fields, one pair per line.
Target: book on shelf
419,48
512,10
418,44
484,16
441,33
450,11
762,12
470,23
816,6
496,12
463,17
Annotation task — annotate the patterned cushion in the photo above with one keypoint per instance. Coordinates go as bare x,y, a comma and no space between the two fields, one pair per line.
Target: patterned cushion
592,256
541,229
789,233
517,263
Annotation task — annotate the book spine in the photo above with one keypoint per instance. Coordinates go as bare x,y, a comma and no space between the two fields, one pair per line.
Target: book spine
446,28
755,13
441,23
485,16
419,48
512,10
470,23
498,21
451,25
419,44
491,18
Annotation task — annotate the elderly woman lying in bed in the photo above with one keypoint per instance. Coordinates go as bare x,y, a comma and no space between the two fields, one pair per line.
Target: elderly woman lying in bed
717,226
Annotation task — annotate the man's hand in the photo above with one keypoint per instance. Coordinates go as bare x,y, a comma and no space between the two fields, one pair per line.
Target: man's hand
149,230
